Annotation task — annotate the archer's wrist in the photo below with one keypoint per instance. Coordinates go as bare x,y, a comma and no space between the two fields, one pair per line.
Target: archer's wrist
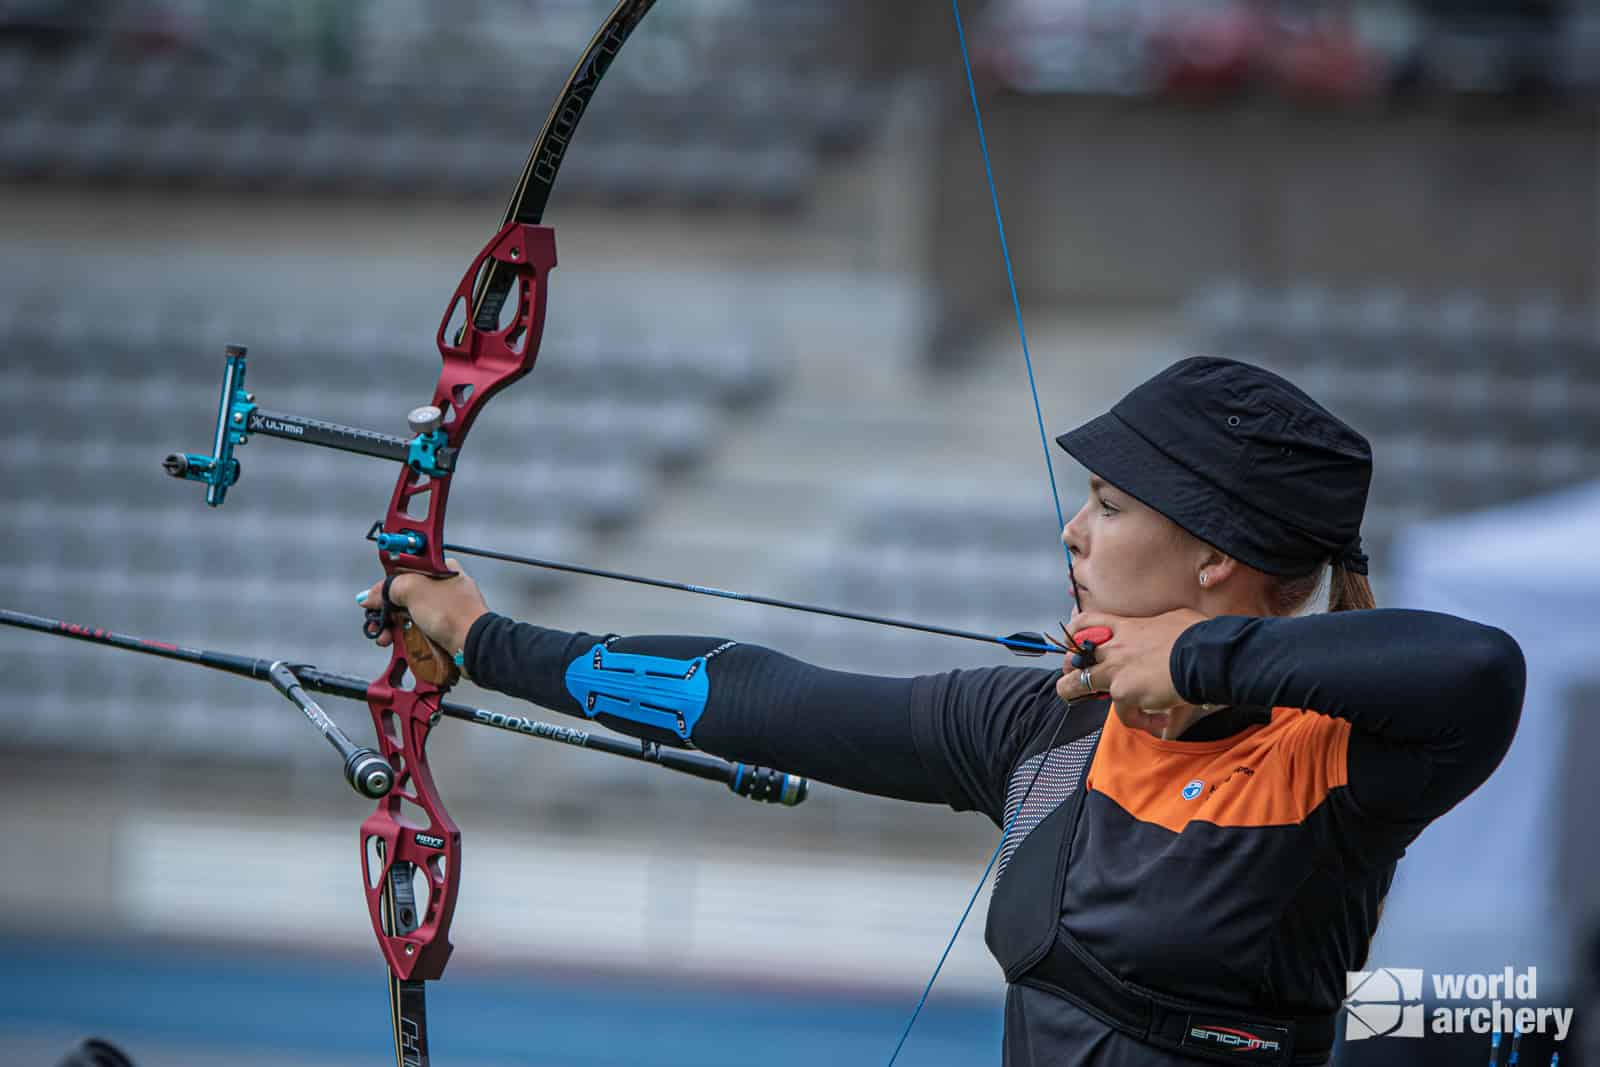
463,653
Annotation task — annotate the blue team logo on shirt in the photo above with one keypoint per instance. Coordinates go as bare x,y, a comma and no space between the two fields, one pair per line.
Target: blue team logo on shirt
1192,790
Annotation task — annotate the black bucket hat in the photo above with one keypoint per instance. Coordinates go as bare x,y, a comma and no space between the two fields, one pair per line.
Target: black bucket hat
1241,458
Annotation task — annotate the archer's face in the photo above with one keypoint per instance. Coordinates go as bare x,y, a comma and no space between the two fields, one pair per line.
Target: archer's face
1129,558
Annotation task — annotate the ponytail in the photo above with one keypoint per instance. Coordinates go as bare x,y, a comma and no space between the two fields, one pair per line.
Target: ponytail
1347,590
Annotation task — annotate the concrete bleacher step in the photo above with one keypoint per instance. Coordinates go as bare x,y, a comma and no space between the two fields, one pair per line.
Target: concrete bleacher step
784,91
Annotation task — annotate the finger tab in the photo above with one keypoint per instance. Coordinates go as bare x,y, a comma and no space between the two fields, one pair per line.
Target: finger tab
1097,634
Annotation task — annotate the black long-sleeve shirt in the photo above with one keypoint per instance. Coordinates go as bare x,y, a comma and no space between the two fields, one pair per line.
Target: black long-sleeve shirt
1344,736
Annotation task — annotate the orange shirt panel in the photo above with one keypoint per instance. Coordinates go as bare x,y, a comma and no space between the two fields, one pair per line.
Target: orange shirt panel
1269,775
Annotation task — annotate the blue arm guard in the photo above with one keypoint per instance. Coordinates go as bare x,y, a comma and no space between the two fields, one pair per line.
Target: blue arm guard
664,694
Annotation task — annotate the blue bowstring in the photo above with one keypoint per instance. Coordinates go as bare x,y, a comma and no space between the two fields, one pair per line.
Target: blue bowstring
1044,443
1011,276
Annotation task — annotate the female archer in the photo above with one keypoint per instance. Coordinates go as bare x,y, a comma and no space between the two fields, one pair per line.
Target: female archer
1189,871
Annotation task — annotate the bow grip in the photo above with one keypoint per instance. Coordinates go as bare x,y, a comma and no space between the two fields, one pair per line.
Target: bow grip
426,659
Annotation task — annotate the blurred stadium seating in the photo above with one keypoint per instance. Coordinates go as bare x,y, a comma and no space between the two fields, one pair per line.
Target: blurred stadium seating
1308,51
730,106
780,360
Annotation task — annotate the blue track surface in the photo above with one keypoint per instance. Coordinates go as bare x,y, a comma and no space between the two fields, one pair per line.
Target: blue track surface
337,1011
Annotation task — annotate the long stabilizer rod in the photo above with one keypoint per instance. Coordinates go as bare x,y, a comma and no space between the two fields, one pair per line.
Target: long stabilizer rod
294,680
365,769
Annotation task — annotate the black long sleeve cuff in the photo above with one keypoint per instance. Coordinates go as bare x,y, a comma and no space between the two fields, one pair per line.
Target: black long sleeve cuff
524,661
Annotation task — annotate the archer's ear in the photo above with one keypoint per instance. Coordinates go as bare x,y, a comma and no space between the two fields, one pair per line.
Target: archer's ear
1216,568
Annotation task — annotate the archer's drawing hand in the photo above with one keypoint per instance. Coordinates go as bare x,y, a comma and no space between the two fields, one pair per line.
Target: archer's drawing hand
1134,666
442,608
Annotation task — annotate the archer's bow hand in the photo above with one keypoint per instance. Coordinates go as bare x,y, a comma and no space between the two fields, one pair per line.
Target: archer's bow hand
444,609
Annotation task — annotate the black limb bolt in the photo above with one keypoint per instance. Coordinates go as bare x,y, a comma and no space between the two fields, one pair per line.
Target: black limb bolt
369,773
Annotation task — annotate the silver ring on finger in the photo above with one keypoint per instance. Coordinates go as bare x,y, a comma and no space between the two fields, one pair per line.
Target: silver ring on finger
1086,679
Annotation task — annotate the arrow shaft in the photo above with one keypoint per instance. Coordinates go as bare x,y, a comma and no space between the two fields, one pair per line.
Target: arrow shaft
1013,643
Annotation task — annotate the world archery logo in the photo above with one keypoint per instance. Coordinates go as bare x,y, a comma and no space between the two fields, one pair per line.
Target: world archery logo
1383,1003
1194,788
1389,1003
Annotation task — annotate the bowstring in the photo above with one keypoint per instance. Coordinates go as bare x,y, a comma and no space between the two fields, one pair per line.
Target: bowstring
972,900
1011,277
1055,496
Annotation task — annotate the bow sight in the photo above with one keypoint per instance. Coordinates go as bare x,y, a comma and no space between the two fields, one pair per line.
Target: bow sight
427,451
